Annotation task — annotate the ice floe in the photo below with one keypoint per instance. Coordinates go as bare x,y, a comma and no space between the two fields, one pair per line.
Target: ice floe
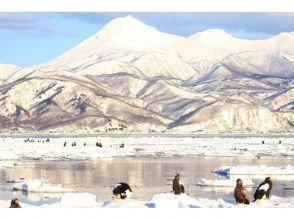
223,182
255,170
73,200
36,185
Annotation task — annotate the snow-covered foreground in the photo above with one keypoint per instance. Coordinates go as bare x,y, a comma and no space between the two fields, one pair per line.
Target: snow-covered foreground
36,185
162,200
255,170
71,148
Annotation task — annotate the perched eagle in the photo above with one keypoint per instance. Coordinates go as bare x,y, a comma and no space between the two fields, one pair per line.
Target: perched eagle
240,193
122,191
178,187
263,189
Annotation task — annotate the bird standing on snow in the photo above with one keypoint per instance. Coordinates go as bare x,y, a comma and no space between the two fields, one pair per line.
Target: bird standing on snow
15,203
263,189
240,193
178,187
122,191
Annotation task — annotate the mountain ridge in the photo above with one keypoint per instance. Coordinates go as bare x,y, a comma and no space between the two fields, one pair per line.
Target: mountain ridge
131,78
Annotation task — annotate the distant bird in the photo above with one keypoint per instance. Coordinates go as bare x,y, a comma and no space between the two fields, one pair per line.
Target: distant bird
122,145
14,204
263,189
258,156
240,193
178,186
98,144
122,191
64,145
85,144
280,141
74,144
262,142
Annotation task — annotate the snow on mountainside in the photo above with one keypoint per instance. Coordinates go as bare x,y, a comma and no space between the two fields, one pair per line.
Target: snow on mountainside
6,70
130,77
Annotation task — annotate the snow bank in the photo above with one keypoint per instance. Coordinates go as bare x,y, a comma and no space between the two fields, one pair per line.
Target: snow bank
166,200
73,200
162,200
87,200
170,200
127,203
36,185
255,170
223,182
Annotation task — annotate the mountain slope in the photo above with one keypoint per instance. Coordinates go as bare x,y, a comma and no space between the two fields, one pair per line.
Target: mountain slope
6,71
130,77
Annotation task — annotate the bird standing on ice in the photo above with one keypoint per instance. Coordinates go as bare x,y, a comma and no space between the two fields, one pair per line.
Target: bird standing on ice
240,193
178,187
122,191
15,203
263,189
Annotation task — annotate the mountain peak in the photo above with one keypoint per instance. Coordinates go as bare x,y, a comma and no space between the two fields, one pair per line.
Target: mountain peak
125,24
211,34
123,33
121,21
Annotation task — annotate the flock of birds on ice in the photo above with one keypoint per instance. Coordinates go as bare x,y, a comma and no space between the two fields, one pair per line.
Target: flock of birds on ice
123,191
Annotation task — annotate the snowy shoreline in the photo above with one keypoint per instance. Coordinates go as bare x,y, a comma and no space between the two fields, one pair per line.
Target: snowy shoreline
195,135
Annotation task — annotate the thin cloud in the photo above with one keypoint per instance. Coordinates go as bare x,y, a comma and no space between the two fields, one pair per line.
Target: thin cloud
185,24
30,25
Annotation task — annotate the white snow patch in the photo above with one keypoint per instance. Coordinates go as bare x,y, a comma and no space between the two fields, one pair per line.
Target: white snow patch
170,200
122,203
73,200
36,185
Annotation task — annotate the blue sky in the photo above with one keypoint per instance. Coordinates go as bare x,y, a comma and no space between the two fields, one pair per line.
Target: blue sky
31,38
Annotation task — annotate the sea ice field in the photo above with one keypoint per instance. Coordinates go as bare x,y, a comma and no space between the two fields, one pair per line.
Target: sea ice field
56,171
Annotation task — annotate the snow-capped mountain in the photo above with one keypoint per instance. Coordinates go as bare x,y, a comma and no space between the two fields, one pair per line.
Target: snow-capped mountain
130,77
